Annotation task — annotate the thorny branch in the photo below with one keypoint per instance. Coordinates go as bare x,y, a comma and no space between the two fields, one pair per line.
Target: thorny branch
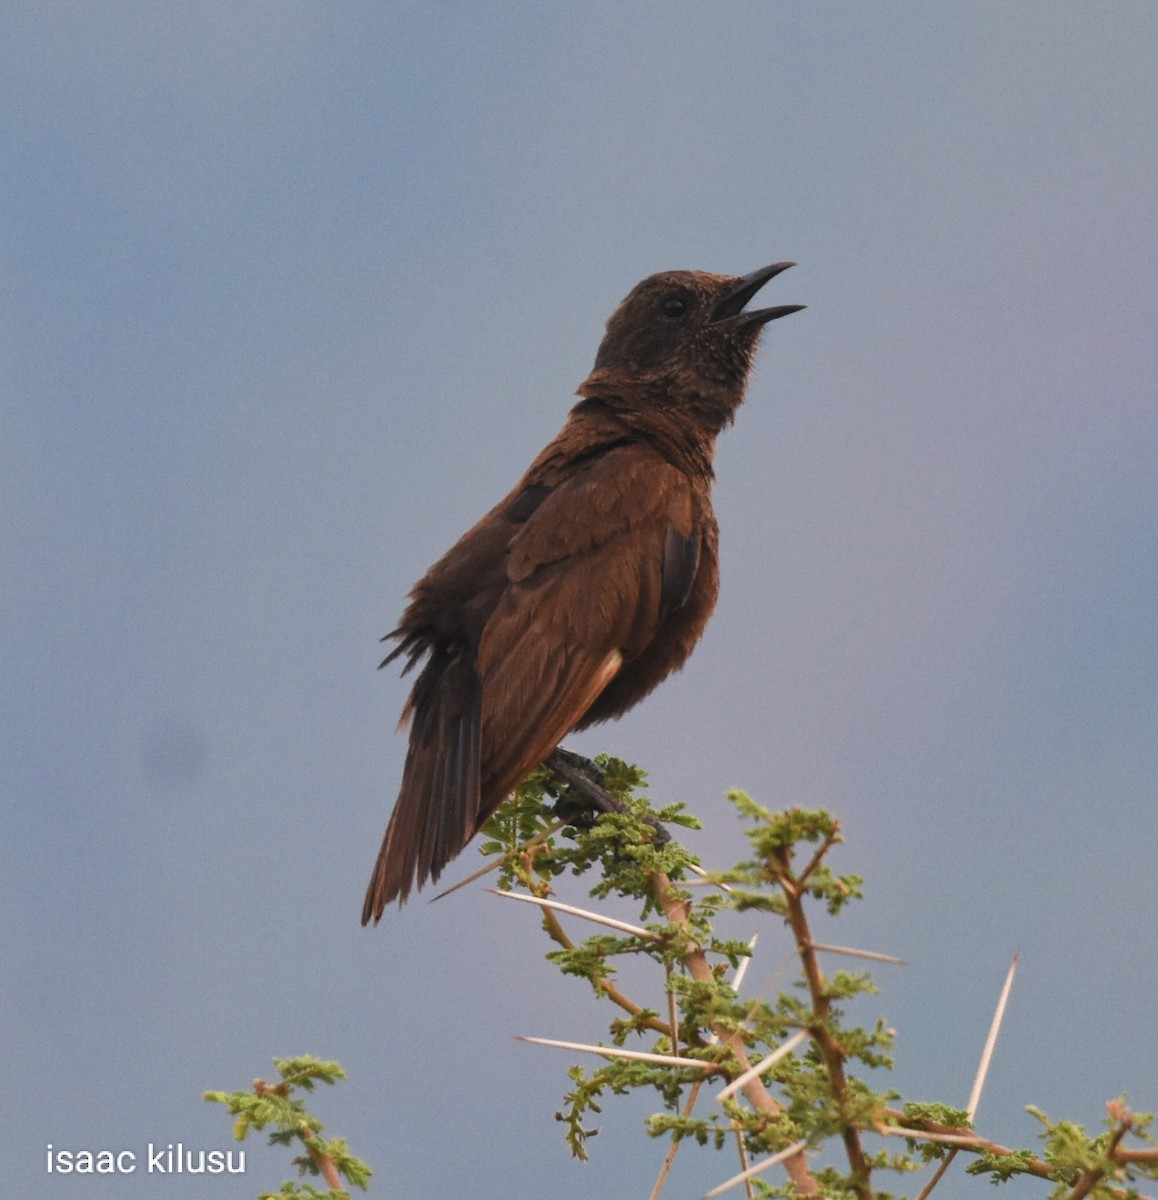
973,1143
678,912
819,1082
834,1057
327,1168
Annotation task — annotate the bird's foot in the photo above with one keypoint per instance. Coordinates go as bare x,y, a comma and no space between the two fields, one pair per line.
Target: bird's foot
585,777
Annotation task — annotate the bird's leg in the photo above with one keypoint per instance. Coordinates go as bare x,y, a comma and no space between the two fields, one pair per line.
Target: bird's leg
586,777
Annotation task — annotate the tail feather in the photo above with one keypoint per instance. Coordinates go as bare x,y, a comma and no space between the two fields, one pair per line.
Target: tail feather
438,805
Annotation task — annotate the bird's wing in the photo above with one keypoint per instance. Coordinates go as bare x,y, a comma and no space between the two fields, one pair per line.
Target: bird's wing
568,580
591,575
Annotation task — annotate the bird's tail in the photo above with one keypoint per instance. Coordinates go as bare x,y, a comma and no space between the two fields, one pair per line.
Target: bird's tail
438,806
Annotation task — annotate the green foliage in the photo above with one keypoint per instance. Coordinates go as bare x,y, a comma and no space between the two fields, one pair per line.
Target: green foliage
1078,1163
820,1092
620,844
810,1095
274,1104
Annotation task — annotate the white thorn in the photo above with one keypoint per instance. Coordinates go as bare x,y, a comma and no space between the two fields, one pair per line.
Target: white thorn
742,968
762,1165
622,926
667,1060
991,1041
763,1065
873,954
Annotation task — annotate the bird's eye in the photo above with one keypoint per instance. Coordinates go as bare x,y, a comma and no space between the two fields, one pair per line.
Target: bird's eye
673,306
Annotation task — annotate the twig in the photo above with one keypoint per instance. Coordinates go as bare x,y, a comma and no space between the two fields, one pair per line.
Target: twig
673,1019
326,1166
923,1129
938,1174
1089,1179
814,862
324,1163
920,1129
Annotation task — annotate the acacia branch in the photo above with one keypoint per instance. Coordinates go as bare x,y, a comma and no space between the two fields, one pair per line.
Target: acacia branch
830,1048
327,1168
976,1144
963,1139
678,913
830,840
1090,1179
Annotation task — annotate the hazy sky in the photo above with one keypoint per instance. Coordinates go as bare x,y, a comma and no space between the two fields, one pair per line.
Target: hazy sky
293,292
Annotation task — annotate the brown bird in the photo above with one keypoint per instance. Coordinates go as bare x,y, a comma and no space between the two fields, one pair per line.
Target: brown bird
588,585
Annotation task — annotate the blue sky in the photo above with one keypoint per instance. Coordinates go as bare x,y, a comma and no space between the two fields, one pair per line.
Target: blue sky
292,293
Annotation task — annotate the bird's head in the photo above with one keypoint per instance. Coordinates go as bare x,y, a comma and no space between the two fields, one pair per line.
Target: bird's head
688,334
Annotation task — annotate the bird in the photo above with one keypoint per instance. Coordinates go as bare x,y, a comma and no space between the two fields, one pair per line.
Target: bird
587,585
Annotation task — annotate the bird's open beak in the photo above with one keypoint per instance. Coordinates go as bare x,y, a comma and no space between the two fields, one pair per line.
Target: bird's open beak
732,306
